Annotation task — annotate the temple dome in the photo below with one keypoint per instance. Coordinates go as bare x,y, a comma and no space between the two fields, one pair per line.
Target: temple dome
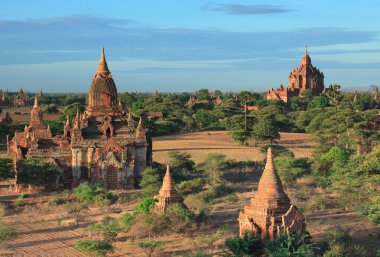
103,92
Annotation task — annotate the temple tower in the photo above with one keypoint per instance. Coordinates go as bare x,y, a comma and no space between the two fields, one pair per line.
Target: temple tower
36,116
270,212
102,97
168,195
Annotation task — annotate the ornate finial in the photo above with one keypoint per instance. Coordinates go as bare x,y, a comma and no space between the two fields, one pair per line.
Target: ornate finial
306,49
67,120
102,66
36,102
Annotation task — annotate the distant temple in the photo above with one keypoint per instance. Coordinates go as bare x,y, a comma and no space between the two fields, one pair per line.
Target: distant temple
20,99
375,93
306,76
168,195
270,212
100,145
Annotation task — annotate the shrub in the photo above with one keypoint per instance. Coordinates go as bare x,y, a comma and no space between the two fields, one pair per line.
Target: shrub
20,203
97,248
232,198
277,150
37,173
151,181
214,165
7,232
109,229
146,205
151,246
290,168
86,193
191,186
23,196
248,245
6,171
3,210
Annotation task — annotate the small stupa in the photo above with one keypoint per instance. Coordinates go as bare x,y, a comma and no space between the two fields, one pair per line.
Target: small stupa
168,195
270,212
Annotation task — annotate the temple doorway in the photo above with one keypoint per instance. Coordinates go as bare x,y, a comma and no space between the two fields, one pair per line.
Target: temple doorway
111,177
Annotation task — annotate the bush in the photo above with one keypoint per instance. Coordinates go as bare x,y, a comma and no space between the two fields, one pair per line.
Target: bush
97,248
232,198
277,151
37,173
146,205
151,181
191,186
248,245
20,203
86,193
110,229
290,168
3,210
6,170
7,232
151,246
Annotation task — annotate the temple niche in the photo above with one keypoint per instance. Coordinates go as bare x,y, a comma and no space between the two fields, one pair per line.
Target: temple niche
306,76
99,145
270,213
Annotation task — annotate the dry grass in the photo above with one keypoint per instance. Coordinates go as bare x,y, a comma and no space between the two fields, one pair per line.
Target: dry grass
199,144
24,114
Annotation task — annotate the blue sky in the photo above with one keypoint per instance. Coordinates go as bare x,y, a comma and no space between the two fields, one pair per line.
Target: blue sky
184,45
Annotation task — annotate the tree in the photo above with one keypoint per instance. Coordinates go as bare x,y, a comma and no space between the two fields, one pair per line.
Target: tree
6,170
181,161
335,94
151,181
245,97
214,165
265,128
37,173
151,246
248,245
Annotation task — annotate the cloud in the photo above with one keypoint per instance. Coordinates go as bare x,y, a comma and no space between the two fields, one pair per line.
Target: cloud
239,9
71,45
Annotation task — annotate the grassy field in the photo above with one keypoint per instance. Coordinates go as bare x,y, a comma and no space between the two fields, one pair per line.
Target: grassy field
199,144
23,114
47,230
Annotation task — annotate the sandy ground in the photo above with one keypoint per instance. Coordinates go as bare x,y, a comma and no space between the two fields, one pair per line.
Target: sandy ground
199,144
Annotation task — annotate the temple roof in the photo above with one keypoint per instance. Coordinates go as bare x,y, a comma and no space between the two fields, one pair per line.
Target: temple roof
102,66
168,189
270,193
306,58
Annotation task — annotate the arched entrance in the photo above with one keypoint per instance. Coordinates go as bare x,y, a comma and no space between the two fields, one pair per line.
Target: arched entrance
111,177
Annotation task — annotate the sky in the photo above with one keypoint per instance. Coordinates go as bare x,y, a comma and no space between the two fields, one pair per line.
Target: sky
185,45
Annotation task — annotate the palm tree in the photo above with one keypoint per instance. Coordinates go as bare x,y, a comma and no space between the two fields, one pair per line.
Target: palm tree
335,94
245,97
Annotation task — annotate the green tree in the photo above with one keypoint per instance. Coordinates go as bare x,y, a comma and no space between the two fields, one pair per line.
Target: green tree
213,165
6,170
151,246
151,180
335,94
37,173
265,128
245,97
248,245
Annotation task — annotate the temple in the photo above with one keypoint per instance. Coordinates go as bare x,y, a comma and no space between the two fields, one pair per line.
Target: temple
20,99
306,76
168,195
99,145
270,213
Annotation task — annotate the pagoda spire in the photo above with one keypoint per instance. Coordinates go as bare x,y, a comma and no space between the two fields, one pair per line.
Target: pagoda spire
102,66
167,188
168,195
140,132
35,102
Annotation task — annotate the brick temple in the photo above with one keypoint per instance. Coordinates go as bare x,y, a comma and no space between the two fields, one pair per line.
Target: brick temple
101,144
168,195
270,212
306,76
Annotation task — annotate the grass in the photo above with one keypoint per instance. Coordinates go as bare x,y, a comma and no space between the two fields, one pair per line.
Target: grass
199,144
